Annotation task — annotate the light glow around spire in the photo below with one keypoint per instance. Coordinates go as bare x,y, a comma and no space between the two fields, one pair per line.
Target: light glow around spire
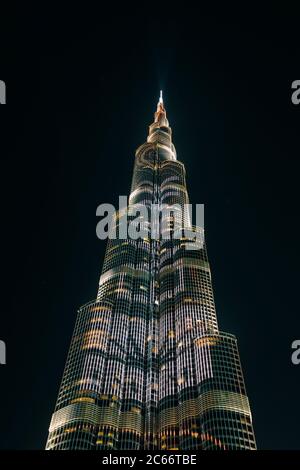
161,97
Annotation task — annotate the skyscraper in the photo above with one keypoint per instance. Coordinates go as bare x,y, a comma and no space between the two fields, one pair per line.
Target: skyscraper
148,367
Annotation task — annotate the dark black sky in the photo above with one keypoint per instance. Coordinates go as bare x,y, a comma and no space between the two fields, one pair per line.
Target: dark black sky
82,87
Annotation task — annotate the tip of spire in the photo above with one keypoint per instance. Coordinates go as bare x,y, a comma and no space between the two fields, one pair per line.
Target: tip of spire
160,110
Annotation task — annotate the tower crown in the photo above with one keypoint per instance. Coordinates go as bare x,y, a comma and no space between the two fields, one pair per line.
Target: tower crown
160,115
160,132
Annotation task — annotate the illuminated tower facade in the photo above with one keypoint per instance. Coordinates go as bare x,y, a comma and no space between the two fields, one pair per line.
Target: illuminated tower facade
148,367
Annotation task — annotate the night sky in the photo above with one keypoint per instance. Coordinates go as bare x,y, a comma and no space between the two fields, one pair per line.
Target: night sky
82,87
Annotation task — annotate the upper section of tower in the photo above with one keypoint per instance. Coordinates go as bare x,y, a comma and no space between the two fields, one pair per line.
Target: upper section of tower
160,132
160,117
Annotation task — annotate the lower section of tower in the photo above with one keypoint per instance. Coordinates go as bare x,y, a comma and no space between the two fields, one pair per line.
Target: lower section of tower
115,395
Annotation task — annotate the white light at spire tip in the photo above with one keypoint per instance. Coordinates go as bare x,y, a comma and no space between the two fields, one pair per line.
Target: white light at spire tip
161,97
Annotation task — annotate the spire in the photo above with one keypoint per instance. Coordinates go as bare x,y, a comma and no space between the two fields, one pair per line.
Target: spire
161,98
160,132
160,104
160,115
